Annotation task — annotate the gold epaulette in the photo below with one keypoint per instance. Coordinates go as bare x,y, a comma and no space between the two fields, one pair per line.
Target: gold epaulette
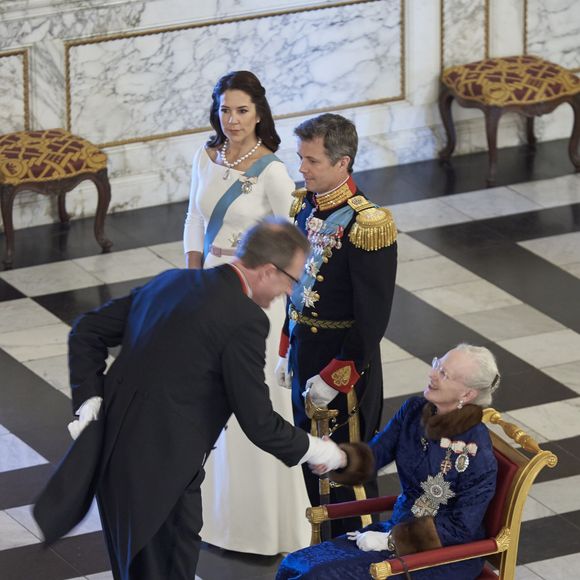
298,195
374,227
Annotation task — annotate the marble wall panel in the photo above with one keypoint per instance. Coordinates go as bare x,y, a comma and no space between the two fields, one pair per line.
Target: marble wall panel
554,31
151,84
14,98
463,31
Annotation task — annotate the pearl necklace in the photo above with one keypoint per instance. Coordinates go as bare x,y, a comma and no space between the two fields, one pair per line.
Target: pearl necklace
229,165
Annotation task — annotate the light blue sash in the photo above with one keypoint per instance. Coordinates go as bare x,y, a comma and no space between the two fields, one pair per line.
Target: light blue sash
216,219
338,219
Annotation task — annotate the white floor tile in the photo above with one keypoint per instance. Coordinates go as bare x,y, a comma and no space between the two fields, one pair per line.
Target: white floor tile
551,192
559,495
171,252
546,349
22,314
391,352
524,573
49,278
431,273
467,297
573,269
122,266
15,454
509,322
429,213
405,377
35,343
562,249
13,535
568,374
490,203
533,509
563,568
409,249
54,370
557,420
538,437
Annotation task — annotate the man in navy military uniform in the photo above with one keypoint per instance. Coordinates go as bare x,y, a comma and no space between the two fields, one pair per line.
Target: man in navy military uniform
339,312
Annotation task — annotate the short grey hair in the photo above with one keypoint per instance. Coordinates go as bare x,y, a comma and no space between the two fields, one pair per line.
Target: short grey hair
486,378
272,240
338,135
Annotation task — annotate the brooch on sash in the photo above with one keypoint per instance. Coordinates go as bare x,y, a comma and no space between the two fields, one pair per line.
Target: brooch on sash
247,183
309,297
437,492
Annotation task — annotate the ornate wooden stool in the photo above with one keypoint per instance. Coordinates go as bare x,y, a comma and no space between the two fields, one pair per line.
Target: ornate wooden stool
50,162
527,85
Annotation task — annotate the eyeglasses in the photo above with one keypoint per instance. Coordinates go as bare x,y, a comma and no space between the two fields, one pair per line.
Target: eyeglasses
294,280
437,366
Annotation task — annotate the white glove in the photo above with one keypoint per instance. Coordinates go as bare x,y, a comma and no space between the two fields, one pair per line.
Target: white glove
324,455
283,374
87,412
371,541
320,393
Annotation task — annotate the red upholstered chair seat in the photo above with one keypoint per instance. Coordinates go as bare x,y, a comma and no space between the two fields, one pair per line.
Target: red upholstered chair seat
512,80
51,162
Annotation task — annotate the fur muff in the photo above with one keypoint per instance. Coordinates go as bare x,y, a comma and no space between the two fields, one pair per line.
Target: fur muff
452,423
360,465
416,535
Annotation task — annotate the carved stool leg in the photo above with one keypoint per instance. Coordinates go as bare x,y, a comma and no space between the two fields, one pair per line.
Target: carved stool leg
62,213
530,132
575,138
7,195
101,180
445,100
492,116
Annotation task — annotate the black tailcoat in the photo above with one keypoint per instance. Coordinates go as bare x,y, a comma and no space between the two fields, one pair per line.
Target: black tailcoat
193,349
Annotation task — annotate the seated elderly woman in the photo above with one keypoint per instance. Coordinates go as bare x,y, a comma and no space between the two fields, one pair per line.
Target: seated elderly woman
447,472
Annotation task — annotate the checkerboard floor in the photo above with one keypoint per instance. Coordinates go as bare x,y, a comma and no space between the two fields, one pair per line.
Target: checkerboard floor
498,267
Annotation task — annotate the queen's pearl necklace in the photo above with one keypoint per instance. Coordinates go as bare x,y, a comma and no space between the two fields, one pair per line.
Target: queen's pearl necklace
229,165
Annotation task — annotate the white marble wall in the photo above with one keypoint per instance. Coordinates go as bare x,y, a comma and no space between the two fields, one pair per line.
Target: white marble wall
332,56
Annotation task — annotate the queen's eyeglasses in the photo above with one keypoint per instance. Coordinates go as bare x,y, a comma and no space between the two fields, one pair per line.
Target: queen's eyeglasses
437,365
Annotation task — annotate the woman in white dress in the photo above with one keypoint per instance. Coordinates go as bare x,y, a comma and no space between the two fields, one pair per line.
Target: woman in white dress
243,484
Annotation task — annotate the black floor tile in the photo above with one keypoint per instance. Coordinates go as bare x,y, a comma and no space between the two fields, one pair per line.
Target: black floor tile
87,553
33,410
215,563
34,563
8,292
568,453
557,298
549,537
22,486
68,306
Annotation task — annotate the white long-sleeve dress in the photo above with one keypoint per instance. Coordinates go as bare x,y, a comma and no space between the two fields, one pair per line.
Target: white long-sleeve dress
251,501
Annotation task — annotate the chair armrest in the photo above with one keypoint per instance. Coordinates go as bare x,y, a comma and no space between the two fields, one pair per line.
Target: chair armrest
364,506
430,558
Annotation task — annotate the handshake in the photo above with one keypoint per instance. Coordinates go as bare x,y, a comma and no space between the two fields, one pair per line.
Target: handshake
324,455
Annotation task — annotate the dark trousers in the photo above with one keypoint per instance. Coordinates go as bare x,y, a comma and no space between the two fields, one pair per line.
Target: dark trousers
173,552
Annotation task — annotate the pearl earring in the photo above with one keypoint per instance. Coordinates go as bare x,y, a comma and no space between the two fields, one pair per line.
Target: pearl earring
460,404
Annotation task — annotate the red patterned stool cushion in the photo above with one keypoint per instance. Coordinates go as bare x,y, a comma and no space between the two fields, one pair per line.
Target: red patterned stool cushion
38,156
513,80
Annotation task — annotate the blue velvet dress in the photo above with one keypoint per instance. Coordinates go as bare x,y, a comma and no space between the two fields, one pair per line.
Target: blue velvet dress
417,457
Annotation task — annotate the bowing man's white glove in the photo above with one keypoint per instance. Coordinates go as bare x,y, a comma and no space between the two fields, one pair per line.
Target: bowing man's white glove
87,412
283,374
372,541
320,392
324,455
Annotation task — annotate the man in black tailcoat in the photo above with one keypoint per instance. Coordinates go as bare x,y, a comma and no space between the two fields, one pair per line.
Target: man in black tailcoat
339,312
192,353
